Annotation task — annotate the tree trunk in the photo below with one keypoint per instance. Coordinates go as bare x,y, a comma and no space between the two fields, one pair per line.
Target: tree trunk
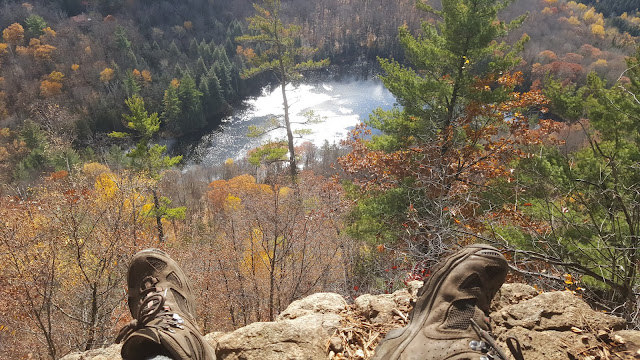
156,204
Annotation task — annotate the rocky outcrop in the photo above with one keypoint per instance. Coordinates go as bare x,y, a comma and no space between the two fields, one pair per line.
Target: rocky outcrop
553,325
302,331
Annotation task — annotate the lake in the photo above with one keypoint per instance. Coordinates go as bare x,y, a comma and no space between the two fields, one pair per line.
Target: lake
341,103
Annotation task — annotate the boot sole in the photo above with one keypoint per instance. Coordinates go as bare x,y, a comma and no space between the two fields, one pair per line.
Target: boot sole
161,255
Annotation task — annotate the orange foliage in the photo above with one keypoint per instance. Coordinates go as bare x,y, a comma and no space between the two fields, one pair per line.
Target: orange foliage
547,56
13,34
106,75
146,76
448,166
43,52
50,88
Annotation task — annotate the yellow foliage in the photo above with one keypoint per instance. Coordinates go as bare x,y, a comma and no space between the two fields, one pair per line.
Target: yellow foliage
573,20
94,169
3,48
188,25
551,2
13,34
597,30
582,6
22,51
106,75
232,203
43,52
146,76
146,208
105,186
547,11
175,83
75,67
34,42
600,63
50,88
136,74
589,15
229,161
49,32
284,191
56,76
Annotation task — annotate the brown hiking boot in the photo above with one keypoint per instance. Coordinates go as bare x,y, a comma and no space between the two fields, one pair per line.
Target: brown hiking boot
163,309
450,318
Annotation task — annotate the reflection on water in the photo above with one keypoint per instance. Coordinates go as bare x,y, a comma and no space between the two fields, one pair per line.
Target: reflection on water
342,104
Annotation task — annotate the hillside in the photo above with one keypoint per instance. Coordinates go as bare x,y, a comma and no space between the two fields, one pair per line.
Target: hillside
514,126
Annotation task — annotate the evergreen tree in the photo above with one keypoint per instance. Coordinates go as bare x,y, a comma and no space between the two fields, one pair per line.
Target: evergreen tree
172,106
121,40
131,85
217,103
149,158
281,57
35,25
174,52
192,117
435,149
193,48
224,75
201,68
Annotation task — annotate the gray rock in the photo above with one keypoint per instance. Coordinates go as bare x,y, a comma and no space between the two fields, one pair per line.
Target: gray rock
553,325
379,309
319,303
109,353
302,338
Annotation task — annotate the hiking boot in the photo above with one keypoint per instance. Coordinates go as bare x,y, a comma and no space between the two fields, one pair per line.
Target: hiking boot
450,318
163,310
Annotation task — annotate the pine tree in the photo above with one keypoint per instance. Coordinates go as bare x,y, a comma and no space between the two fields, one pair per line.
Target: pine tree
174,52
440,150
172,106
193,48
190,97
281,57
223,74
148,158
201,68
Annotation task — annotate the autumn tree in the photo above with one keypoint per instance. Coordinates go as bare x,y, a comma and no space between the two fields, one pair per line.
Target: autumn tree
13,34
419,185
149,159
581,199
281,56
270,247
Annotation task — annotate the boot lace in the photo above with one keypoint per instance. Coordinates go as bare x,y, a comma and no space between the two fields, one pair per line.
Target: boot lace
491,349
152,307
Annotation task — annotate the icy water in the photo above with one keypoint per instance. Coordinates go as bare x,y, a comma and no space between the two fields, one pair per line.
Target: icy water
343,104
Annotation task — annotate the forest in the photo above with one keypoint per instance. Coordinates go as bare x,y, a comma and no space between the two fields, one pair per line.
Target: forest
515,124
